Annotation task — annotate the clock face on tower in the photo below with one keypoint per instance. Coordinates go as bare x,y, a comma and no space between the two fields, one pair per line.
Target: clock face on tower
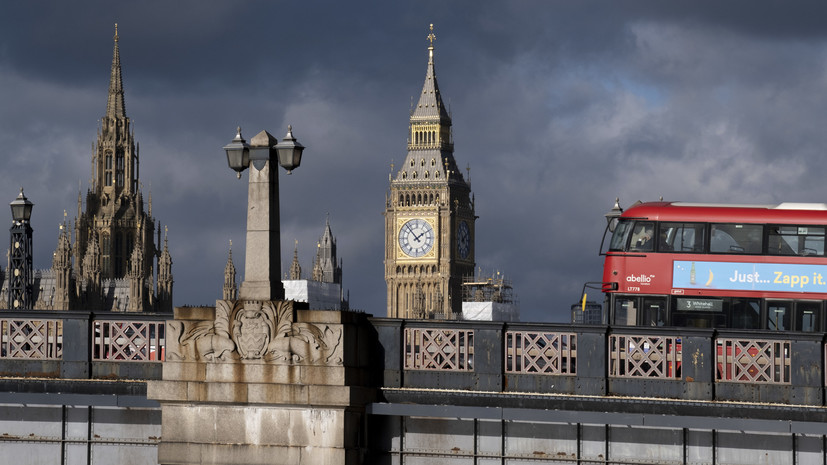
416,237
463,240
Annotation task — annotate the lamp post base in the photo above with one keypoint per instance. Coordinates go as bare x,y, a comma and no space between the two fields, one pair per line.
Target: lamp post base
261,290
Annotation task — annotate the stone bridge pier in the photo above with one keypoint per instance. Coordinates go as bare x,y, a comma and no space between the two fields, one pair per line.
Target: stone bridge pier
264,382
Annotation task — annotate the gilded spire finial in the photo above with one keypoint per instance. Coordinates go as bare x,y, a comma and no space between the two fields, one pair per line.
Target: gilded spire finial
431,38
116,32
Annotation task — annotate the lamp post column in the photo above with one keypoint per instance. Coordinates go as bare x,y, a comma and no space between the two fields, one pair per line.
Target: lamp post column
20,254
262,263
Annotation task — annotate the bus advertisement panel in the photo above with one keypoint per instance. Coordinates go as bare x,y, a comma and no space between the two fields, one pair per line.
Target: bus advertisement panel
749,276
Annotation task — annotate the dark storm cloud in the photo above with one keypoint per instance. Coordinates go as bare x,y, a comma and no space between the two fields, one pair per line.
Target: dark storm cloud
558,108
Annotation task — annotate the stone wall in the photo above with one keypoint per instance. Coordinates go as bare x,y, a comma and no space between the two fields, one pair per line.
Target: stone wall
261,382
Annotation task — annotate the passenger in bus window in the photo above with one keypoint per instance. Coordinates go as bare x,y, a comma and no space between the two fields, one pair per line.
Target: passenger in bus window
642,237
663,244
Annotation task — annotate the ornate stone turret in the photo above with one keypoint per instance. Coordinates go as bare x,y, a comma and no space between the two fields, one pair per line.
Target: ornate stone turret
92,273
137,280
165,278
331,271
318,275
230,291
295,268
77,266
62,266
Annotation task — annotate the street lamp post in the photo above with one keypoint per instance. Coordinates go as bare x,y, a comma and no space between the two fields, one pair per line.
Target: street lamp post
613,215
262,263
20,254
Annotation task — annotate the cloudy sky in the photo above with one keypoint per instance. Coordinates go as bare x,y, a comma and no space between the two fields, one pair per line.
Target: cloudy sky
558,108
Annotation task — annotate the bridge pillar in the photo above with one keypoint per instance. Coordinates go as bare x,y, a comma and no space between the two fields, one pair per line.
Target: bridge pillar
261,382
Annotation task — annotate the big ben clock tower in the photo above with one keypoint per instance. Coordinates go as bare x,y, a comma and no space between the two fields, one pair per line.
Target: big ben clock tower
429,216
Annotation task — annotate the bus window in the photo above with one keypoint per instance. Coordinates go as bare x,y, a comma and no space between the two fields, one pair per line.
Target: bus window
814,244
795,240
654,311
745,314
626,311
778,315
808,316
682,237
783,240
621,235
642,238
736,238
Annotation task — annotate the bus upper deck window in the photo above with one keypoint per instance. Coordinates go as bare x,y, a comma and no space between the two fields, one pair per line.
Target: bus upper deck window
736,238
682,237
795,240
643,236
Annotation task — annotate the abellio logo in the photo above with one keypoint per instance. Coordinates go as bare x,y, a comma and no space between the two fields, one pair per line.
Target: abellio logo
642,279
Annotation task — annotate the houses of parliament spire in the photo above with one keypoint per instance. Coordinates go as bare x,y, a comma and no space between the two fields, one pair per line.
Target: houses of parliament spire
115,262
115,107
134,267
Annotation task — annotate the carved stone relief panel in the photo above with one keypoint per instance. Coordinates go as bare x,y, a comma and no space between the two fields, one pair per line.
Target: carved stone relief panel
254,330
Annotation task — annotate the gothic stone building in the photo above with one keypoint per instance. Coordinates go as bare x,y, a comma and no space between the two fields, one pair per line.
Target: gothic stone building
116,261
324,288
429,216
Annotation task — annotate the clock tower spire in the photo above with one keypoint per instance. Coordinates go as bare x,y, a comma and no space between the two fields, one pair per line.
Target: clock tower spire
429,216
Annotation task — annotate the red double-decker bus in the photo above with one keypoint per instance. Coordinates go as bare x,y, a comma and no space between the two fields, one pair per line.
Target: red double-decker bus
721,266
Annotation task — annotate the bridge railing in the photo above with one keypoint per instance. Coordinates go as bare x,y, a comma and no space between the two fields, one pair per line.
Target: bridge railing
128,340
82,345
644,356
686,363
541,352
439,349
29,339
753,361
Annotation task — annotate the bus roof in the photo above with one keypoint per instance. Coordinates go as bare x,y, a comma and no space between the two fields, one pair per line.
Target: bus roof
788,212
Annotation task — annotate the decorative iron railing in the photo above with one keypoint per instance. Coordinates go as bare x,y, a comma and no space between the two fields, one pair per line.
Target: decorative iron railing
533,352
753,361
128,341
637,356
439,349
31,339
